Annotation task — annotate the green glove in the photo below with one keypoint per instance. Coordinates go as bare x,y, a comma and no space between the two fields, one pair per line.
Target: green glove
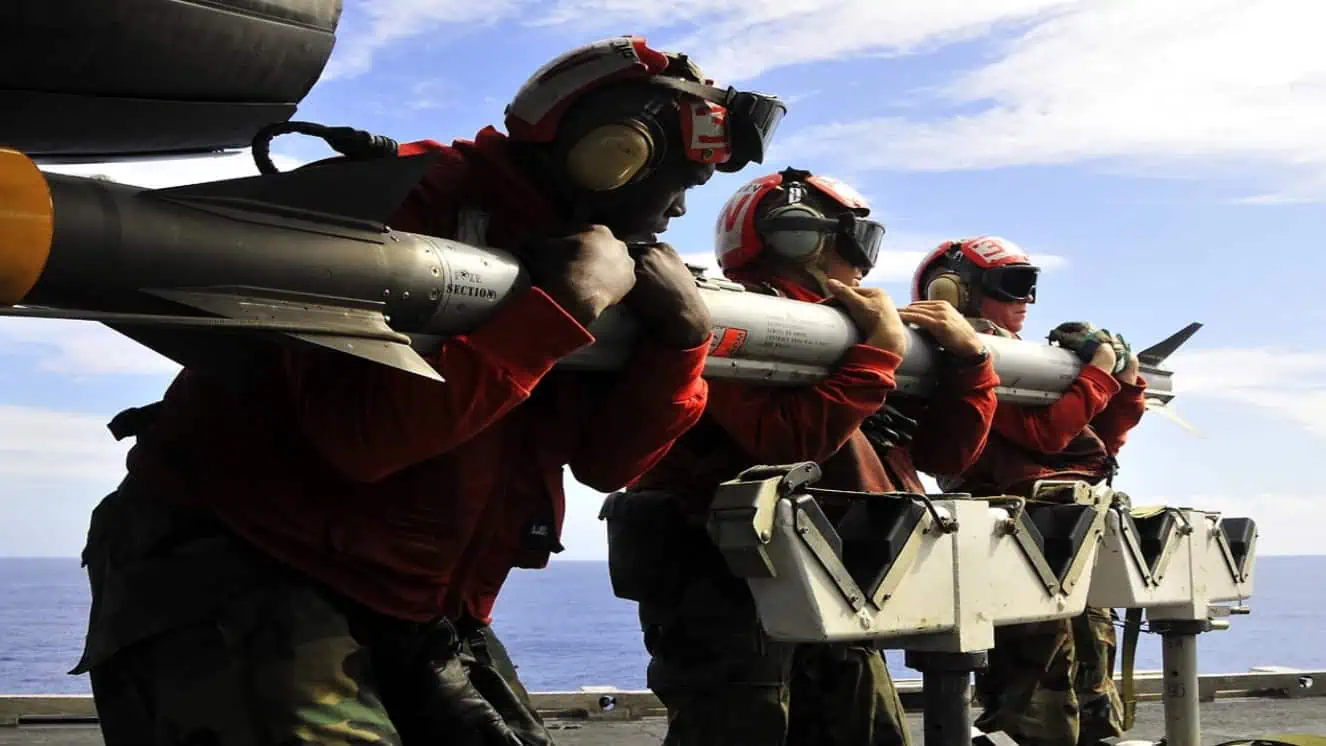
1122,353
1083,339
1073,335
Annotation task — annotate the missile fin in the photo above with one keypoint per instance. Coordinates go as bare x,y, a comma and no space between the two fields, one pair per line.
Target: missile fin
394,354
362,332
1156,353
1168,413
365,190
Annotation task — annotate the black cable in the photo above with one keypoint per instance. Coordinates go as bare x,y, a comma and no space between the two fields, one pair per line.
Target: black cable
352,143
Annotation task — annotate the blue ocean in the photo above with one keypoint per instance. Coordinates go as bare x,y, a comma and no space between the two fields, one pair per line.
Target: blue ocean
565,629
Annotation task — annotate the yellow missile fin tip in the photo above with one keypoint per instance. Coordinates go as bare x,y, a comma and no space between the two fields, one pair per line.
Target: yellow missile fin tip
27,225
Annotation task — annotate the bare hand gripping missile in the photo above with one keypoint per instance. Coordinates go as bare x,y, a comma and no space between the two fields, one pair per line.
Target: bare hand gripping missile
306,253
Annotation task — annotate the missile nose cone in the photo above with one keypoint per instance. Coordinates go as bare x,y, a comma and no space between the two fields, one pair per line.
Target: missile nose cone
27,224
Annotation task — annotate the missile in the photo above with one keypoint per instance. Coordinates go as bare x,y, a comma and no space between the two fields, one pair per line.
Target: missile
304,253
199,272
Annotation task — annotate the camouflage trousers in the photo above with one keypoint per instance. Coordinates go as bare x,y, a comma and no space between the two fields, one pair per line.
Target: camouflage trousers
711,664
196,639
1052,683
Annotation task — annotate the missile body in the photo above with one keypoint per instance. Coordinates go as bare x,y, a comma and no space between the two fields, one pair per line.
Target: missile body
305,253
302,252
762,338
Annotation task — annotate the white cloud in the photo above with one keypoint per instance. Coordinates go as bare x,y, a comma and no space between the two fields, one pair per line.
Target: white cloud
41,445
731,39
388,21
1175,88
742,40
1281,528
1289,384
169,172
429,94
80,348
1179,86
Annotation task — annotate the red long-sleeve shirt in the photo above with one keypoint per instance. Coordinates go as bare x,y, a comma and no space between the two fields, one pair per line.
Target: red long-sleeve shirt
414,497
1073,437
747,424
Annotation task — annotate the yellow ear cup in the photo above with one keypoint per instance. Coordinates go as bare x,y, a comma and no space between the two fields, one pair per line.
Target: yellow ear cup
609,156
948,287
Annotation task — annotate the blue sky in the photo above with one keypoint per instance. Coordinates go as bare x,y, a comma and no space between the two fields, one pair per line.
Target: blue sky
1164,161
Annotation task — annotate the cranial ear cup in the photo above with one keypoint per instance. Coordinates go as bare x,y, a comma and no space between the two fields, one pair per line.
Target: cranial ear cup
615,137
794,244
610,156
948,286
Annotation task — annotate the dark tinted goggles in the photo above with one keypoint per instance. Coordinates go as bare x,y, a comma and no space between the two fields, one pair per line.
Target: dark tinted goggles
864,237
859,239
1016,282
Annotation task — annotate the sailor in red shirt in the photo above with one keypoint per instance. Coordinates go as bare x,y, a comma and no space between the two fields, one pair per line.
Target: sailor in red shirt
301,558
1049,683
806,237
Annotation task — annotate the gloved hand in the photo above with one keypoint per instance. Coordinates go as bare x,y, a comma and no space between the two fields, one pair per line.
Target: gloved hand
665,297
457,700
524,724
1084,339
888,428
424,683
584,272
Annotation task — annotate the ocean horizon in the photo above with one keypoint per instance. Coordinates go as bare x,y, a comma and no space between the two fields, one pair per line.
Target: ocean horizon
565,629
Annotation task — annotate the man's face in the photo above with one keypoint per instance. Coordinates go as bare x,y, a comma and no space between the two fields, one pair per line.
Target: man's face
643,211
835,267
1007,314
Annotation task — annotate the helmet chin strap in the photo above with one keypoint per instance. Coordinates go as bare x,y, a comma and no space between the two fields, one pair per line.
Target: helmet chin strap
816,268
555,185
578,214
821,279
975,301
812,267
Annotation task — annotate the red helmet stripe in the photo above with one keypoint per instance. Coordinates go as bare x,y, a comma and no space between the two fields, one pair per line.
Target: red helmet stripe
654,60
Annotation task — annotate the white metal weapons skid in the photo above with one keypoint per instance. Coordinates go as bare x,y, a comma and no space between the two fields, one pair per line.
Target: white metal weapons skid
935,574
